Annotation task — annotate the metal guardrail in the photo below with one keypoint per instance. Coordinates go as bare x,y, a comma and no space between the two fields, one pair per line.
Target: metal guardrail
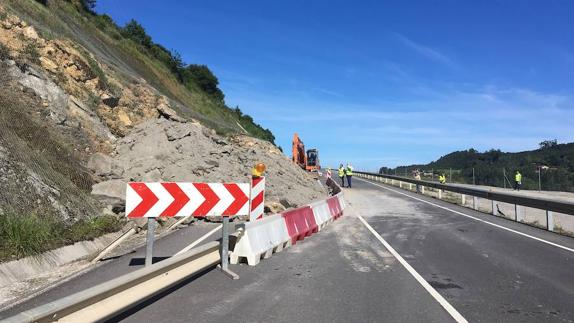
533,202
108,299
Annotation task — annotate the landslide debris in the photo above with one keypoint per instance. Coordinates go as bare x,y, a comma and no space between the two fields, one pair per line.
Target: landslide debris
74,129
167,150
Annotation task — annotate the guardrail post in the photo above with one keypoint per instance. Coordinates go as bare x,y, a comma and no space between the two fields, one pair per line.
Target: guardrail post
392,182
549,220
149,241
493,207
440,194
422,189
410,186
475,203
462,199
400,184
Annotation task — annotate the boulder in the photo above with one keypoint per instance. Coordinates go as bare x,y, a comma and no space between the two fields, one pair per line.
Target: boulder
101,164
112,193
168,113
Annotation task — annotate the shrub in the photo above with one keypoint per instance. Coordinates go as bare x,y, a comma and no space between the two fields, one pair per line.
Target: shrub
4,52
31,53
202,76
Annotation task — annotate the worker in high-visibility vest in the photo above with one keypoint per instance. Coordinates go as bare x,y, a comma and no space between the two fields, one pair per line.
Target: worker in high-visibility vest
349,174
442,179
341,173
517,180
418,178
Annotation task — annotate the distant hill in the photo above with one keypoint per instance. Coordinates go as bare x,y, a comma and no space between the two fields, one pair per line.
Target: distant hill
555,160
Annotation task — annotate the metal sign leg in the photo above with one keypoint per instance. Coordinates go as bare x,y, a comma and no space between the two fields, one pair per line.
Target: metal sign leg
224,266
149,242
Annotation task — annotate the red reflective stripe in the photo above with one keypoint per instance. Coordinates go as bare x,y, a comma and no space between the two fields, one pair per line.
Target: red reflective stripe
257,201
180,199
238,203
256,181
211,199
148,200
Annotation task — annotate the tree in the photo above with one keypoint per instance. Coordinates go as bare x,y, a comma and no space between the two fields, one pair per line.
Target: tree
201,76
136,32
548,144
89,5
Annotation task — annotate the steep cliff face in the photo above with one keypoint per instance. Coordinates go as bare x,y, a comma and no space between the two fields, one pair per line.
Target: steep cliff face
78,120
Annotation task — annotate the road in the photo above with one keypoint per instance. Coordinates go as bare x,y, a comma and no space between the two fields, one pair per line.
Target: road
346,274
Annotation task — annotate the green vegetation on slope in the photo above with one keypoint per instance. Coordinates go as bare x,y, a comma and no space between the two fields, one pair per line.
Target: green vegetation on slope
29,235
131,49
556,161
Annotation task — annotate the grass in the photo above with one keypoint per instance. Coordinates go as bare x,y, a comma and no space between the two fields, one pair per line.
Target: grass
32,234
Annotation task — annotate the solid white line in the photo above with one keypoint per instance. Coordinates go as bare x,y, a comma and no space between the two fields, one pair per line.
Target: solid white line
438,297
196,242
472,217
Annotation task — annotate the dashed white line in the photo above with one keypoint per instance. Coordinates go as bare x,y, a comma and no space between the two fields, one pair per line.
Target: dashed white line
472,217
438,297
198,241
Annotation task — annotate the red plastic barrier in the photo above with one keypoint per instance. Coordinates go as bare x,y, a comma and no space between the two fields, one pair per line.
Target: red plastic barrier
300,223
335,207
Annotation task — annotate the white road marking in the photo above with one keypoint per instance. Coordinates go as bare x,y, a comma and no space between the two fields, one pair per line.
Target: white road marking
196,242
438,297
472,217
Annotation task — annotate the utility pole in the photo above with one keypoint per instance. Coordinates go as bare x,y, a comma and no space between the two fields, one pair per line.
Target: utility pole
504,174
473,180
539,179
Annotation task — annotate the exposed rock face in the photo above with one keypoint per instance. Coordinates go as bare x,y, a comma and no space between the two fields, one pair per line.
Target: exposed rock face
69,126
79,74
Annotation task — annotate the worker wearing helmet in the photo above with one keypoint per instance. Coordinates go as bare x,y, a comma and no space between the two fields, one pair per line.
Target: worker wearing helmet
341,173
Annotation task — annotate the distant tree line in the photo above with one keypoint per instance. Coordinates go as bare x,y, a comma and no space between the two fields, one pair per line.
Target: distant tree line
554,161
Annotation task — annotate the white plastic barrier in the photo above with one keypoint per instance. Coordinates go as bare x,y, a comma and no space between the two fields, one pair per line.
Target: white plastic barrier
260,238
342,201
321,213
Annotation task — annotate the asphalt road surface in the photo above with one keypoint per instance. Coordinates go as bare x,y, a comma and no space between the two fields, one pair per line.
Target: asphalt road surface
345,273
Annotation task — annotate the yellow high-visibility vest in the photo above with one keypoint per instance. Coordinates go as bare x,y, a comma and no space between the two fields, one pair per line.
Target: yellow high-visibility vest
349,171
518,177
341,172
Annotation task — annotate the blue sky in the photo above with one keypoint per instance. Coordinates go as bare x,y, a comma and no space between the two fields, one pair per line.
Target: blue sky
376,83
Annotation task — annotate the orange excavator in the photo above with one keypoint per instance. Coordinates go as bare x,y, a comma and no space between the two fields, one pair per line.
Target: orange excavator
308,160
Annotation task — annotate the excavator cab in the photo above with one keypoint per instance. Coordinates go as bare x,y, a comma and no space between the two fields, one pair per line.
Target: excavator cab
313,160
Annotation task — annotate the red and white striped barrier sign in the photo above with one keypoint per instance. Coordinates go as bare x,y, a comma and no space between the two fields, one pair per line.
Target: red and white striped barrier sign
257,198
153,200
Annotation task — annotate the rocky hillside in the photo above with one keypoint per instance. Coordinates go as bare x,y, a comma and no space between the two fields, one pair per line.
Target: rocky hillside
78,119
